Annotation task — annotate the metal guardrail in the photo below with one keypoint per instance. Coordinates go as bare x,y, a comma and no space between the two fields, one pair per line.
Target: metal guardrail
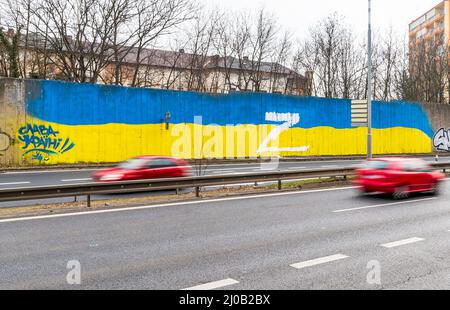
89,189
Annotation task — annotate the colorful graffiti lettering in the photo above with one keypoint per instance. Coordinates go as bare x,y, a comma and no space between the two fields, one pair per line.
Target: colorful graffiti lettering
42,142
441,140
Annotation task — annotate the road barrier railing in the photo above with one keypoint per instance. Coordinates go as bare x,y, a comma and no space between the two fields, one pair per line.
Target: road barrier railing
90,189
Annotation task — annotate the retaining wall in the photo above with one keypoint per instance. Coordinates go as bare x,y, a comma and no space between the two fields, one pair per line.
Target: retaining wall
50,122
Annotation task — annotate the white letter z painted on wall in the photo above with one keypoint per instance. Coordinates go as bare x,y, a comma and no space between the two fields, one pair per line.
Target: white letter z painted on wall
289,120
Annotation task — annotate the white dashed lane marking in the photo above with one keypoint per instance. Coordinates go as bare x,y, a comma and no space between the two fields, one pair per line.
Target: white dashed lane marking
383,205
14,183
76,180
212,285
402,242
319,261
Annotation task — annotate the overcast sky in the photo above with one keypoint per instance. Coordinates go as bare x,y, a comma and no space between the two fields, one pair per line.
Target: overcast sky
298,15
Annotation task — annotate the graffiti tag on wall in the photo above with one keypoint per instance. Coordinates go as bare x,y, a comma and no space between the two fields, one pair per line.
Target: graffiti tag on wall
42,142
441,140
288,120
5,142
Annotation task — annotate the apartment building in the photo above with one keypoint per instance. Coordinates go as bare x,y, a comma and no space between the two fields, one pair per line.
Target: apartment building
162,69
214,74
434,25
429,51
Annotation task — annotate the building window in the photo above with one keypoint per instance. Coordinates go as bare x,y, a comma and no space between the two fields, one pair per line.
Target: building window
417,23
430,15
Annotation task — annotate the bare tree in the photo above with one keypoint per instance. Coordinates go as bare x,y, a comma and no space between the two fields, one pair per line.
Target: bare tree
262,43
200,44
427,75
241,33
226,49
16,16
76,34
351,66
280,59
174,63
329,52
155,19
389,58
116,41
120,14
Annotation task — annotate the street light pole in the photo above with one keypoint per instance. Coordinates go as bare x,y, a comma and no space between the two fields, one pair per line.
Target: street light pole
369,88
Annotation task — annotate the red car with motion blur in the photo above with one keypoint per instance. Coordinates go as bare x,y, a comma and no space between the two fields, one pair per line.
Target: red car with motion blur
399,177
145,167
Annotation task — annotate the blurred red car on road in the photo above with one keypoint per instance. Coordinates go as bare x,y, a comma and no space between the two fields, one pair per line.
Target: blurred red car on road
398,176
145,167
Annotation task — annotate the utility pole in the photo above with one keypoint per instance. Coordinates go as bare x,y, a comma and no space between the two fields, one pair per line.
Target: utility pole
369,88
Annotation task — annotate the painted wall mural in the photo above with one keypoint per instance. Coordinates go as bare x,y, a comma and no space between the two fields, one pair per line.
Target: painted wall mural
112,124
441,140
41,142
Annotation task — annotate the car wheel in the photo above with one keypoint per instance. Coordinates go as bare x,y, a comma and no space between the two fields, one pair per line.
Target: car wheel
401,192
435,189
362,191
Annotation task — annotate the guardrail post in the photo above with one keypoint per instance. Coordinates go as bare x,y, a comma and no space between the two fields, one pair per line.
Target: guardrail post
88,201
197,191
279,185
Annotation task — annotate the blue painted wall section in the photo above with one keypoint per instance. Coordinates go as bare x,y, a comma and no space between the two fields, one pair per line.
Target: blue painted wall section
70,123
87,104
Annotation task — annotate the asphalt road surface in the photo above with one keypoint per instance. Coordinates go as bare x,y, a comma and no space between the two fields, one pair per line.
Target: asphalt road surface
82,176
323,239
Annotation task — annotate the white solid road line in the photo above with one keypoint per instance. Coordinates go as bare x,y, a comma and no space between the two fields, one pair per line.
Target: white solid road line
401,243
50,171
21,219
15,183
383,205
77,180
319,261
212,285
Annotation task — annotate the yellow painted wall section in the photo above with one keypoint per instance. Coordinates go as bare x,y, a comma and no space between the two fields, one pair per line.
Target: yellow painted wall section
119,142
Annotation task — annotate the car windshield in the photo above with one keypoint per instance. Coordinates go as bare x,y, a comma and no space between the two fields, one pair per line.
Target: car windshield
416,166
377,165
132,164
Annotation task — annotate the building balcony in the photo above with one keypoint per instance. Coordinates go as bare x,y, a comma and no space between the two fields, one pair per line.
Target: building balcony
429,23
439,30
439,17
429,35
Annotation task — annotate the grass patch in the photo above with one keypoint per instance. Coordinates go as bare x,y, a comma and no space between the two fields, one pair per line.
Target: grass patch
308,182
